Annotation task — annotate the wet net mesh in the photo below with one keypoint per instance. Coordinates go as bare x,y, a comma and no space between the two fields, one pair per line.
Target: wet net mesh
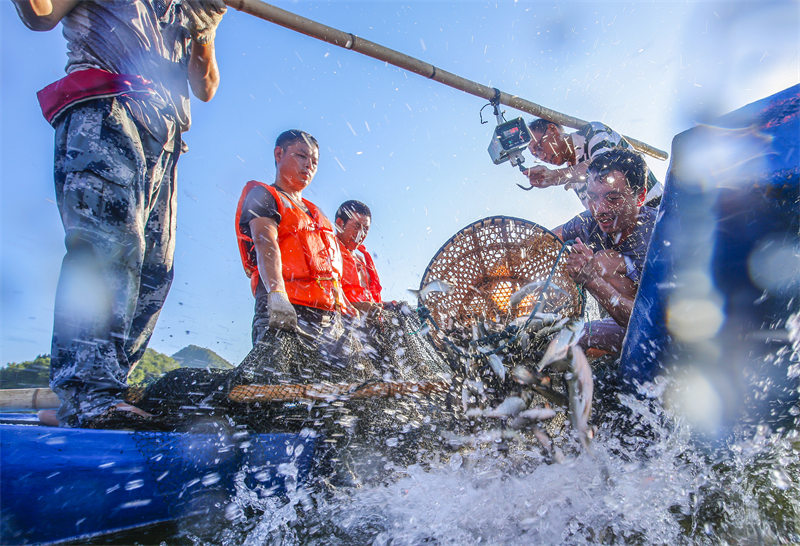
289,381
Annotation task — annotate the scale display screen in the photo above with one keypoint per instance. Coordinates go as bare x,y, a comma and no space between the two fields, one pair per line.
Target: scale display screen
513,134
508,141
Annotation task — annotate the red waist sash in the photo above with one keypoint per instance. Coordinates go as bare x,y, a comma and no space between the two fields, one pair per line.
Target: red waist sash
83,85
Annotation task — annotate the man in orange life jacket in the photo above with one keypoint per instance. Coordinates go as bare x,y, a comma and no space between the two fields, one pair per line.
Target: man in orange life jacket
289,250
360,281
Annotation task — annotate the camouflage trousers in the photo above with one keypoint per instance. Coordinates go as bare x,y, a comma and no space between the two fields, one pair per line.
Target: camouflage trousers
116,192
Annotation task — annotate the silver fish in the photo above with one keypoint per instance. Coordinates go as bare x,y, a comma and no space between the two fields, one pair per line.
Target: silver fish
557,352
547,443
537,414
528,418
522,375
510,407
549,319
496,363
433,286
580,387
517,297
524,292
475,386
547,330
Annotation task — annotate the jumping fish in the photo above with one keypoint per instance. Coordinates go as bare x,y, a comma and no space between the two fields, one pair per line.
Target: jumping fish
557,352
523,375
524,292
510,407
547,443
525,418
580,387
537,414
433,286
517,297
548,319
497,366
547,330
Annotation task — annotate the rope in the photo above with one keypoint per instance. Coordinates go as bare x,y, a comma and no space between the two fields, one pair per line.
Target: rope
330,392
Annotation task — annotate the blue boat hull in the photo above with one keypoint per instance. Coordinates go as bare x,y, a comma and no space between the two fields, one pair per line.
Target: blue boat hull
70,484
724,249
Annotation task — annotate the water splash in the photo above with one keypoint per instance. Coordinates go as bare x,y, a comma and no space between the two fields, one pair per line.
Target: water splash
646,481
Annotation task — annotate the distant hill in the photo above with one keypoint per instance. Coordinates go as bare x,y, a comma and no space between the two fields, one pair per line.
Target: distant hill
35,373
193,356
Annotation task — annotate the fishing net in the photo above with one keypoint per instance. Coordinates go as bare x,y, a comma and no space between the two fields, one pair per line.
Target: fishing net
382,378
368,371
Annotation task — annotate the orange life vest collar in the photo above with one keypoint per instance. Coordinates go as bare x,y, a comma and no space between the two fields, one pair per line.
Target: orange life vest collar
354,270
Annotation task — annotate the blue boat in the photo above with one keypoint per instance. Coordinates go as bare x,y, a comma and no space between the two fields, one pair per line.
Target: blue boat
719,292
67,485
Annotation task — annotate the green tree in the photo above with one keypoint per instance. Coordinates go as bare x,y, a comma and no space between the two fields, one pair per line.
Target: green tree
36,373
31,373
152,366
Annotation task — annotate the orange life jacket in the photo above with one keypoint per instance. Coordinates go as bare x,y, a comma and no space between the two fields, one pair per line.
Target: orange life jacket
354,271
312,262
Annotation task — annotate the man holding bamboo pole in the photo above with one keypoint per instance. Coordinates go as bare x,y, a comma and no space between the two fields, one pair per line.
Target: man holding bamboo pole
118,117
552,145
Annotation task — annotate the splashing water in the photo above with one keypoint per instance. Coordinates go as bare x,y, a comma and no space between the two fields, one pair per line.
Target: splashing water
645,481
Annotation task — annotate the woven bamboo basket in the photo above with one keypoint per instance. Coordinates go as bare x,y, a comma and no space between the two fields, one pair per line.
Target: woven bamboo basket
488,261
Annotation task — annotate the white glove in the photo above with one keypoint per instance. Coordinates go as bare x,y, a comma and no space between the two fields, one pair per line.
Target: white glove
281,312
204,17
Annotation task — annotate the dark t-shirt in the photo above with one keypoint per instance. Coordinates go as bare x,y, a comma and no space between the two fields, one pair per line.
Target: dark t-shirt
258,203
633,248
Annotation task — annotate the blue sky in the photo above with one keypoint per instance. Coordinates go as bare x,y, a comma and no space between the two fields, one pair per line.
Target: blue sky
410,148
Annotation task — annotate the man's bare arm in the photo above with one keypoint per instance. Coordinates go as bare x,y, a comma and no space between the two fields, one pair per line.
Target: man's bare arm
542,177
42,15
203,71
603,276
204,16
268,254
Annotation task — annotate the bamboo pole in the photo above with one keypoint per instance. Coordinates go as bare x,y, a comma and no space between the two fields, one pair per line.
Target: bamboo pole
300,24
41,398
